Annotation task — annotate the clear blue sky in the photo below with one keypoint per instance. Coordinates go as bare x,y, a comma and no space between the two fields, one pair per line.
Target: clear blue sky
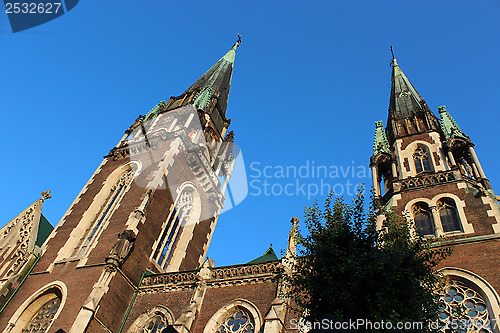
310,80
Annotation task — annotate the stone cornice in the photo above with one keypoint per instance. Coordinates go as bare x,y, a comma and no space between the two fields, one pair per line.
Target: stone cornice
215,277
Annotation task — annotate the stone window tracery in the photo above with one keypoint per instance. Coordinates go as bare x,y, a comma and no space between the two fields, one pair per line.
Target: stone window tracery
105,212
177,219
155,324
41,320
239,321
423,219
422,159
464,308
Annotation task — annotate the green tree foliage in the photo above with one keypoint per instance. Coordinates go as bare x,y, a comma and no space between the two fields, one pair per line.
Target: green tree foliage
348,269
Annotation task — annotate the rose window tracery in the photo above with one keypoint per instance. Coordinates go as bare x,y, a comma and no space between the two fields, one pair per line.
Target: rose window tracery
463,309
40,322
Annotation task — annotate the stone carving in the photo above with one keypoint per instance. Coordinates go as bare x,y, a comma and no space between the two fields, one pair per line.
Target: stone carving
425,180
216,277
170,278
122,248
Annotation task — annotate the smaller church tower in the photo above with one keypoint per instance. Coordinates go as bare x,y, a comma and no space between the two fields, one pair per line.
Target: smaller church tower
150,207
428,169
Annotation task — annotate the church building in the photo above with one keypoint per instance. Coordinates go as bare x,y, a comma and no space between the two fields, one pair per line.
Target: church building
427,169
129,255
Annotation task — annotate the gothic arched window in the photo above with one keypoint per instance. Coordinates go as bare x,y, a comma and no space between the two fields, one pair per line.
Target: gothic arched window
422,218
464,306
449,215
39,314
41,320
176,221
156,320
422,159
113,198
239,321
155,324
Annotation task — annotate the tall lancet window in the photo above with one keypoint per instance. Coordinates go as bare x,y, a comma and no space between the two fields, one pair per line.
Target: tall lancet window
422,159
105,212
449,215
178,218
422,218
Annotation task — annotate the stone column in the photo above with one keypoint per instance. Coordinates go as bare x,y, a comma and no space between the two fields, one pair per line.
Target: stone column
394,170
476,162
438,227
475,171
451,158
376,184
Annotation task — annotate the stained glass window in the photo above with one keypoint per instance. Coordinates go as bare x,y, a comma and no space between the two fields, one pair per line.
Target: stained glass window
239,322
155,325
422,218
177,219
43,317
449,216
422,160
464,309
105,212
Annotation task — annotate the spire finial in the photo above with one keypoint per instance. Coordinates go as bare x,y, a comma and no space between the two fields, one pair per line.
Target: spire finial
46,195
238,42
394,61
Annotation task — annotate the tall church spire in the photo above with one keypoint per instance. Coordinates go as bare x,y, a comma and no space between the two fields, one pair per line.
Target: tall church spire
404,98
209,94
214,83
408,112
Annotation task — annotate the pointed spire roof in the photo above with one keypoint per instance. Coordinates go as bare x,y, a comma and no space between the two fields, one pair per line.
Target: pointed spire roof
216,81
270,255
380,143
449,125
404,98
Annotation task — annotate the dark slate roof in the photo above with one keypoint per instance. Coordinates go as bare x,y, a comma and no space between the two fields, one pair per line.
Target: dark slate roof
268,256
404,98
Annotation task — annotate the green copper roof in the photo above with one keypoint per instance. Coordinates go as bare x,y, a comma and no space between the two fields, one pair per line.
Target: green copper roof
449,125
229,57
217,80
202,99
44,230
268,256
154,111
404,98
380,144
